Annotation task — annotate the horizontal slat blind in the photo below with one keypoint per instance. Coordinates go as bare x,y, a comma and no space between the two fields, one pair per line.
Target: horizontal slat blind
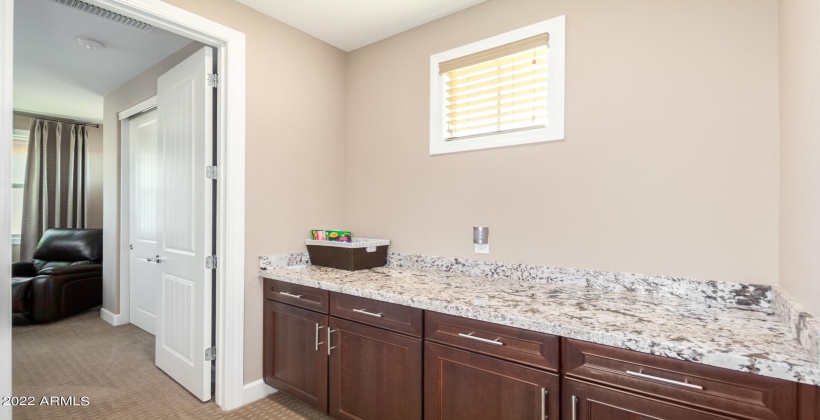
500,89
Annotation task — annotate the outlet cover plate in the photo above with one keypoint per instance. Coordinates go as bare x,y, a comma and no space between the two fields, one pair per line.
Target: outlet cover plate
482,249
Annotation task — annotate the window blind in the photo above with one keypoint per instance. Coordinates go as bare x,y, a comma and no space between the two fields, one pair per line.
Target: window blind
499,89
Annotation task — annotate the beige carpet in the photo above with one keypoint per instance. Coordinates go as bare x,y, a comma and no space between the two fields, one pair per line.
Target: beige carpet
83,356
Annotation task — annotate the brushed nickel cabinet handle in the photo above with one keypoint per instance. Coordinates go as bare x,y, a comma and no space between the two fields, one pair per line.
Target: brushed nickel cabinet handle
574,408
362,311
329,347
496,342
663,380
316,347
544,404
291,295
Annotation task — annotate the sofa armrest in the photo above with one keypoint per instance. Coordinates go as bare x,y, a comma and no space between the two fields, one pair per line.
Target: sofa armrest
67,290
65,270
23,269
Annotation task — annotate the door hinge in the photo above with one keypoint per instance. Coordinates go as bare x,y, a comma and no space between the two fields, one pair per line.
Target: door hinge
211,172
210,354
210,262
213,80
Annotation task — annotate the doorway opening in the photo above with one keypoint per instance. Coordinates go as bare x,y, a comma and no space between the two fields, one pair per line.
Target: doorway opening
229,251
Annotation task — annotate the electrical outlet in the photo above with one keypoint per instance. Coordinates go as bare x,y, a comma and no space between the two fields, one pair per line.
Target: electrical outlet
482,249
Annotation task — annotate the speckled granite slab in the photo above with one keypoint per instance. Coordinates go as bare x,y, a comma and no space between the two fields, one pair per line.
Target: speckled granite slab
751,295
748,338
802,324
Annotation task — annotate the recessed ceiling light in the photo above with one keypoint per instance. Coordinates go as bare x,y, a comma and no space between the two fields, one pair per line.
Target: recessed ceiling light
90,44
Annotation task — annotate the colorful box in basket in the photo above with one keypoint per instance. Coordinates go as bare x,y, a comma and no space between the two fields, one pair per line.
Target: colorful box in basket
331,235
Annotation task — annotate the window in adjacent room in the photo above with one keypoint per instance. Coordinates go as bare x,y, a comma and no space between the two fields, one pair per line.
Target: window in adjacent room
502,91
18,178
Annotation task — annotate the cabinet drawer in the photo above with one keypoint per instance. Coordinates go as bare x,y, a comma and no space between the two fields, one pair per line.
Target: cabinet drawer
583,401
528,347
297,295
389,316
707,387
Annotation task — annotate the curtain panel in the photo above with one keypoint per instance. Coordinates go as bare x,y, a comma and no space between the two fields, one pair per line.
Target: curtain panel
55,189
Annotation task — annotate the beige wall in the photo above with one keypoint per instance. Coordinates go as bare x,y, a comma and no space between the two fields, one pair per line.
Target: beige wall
94,150
295,146
800,150
670,163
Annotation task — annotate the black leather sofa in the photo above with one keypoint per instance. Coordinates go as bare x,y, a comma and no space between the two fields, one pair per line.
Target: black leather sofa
64,278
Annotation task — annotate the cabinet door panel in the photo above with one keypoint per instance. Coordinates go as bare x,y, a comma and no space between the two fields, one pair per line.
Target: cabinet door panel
294,363
808,406
583,401
374,374
464,385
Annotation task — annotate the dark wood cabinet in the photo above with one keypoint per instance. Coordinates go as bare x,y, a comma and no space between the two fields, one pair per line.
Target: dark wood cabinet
374,374
358,358
347,369
584,401
295,357
462,385
808,402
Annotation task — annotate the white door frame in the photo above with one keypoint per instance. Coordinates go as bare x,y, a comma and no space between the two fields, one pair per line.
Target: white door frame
230,218
124,117
6,110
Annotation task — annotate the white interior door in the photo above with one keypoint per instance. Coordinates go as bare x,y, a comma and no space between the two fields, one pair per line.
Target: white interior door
185,223
145,189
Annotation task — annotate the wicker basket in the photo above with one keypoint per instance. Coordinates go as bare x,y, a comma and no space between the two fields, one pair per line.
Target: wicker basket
361,254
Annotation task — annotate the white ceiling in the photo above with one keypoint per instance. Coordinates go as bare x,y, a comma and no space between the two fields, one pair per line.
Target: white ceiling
352,24
56,76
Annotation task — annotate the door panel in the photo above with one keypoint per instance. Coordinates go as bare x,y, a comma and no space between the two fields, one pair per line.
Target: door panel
463,385
296,352
144,193
374,374
185,223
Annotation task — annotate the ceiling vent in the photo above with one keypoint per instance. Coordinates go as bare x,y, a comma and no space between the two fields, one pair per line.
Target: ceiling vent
107,14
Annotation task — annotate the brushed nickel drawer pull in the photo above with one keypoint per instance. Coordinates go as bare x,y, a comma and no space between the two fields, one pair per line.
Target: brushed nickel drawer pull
318,327
291,295
663,380
495,342
574,409
544,404
329,347
362,311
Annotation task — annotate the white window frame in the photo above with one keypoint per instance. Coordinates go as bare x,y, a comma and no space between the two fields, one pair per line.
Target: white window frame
18,136
552,131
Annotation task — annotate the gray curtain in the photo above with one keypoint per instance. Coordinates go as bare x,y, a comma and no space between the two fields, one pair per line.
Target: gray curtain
55,188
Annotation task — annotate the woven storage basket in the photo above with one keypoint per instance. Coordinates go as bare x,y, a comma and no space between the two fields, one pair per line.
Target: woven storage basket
361,254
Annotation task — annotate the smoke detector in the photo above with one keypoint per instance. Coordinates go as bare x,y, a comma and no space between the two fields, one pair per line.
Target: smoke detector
91,44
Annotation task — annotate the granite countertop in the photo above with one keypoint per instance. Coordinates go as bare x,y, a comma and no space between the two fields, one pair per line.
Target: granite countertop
743,338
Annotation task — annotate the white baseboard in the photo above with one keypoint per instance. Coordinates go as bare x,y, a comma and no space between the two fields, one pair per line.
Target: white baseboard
256,390
112,318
